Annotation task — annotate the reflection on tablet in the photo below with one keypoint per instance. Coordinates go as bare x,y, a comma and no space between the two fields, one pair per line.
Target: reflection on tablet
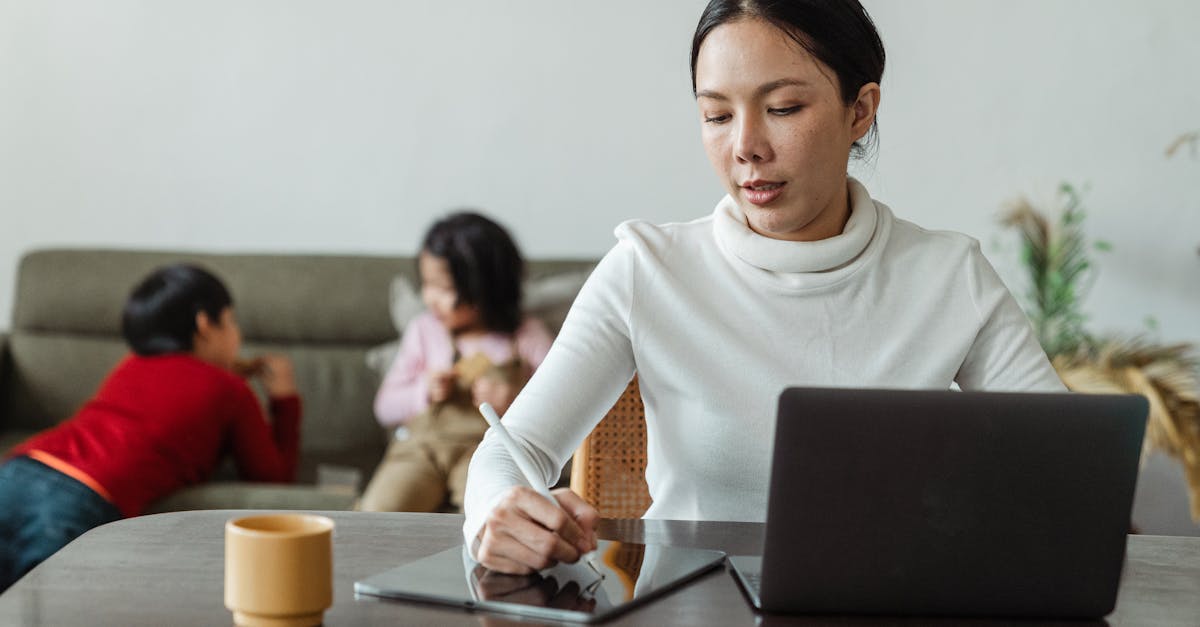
625,561
576,587
541,589
629,574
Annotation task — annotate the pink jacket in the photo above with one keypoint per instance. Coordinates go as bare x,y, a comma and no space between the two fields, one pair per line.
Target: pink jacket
426,346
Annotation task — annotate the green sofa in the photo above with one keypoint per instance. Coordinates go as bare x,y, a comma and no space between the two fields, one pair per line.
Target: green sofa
325,312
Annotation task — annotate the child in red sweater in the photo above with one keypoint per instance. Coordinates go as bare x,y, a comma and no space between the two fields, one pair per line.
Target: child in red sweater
160,421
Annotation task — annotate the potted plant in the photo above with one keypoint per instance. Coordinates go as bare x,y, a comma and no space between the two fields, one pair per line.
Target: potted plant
1055,255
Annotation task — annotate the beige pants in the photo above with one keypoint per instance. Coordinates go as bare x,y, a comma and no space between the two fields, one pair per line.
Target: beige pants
419,475
428,471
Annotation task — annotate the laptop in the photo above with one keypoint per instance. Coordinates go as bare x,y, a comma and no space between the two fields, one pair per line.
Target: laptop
941,503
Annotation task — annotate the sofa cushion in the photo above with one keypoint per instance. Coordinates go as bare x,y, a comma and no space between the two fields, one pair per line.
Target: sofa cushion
549,297
9,439
52,374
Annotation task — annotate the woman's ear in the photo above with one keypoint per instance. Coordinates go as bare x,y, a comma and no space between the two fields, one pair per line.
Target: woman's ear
864,109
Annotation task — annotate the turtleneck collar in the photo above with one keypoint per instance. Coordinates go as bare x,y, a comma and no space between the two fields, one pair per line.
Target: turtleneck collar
782,256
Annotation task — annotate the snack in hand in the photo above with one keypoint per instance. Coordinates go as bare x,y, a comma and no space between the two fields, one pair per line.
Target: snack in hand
248,367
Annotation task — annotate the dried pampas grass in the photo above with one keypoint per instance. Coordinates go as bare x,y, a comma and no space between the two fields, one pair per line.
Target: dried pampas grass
1166,375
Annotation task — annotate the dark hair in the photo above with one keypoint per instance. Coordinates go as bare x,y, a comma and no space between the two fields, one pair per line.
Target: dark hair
485,264
838,33
160,315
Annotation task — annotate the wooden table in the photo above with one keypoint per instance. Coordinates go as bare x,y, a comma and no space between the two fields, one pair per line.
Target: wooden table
167,569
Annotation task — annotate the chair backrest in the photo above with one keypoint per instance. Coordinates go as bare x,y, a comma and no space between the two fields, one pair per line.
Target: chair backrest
609,469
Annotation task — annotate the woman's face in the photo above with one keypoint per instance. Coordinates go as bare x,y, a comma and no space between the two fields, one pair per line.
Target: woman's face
441,296
776,129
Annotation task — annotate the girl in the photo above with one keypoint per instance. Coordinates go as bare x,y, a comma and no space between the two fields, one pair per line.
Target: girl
472,345
797,277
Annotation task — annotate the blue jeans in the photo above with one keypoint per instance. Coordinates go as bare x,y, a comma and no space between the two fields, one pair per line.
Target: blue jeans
41,510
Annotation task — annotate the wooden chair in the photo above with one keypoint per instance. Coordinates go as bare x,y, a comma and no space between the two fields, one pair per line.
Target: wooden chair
609,469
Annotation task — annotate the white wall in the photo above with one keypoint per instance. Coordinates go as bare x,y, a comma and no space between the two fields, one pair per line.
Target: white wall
346,127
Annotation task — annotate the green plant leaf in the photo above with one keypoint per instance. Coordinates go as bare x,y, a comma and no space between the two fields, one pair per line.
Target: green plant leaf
1055,257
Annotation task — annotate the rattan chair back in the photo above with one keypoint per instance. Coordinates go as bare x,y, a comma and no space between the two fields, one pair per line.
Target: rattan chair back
609,468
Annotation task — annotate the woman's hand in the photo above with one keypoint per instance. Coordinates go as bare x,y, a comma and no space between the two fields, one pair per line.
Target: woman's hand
495,391
441,385
277,376
526,533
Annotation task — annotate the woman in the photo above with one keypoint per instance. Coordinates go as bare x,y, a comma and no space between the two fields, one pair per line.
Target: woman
797,278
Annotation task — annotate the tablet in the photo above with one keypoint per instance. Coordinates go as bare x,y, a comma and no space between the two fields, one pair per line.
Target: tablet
626,575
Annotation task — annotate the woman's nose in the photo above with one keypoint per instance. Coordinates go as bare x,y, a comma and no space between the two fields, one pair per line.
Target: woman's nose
751,144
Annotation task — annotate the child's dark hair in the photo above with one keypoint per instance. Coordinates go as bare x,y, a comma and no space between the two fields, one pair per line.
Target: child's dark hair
485,264
160,315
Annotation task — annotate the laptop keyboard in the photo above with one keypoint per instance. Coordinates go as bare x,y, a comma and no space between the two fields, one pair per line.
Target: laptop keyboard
753,581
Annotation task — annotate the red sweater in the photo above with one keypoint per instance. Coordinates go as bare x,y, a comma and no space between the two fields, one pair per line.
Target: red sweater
160,423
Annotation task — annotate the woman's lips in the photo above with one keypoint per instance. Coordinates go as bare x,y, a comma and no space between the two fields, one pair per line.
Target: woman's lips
762,193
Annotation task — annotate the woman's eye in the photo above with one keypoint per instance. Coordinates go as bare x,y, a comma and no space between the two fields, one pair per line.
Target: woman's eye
716,119
784,110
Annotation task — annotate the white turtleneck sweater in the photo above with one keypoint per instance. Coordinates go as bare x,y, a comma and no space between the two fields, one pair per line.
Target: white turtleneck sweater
717,320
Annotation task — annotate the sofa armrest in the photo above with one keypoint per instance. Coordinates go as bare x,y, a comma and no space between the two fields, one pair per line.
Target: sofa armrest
245,495
4,365
5,369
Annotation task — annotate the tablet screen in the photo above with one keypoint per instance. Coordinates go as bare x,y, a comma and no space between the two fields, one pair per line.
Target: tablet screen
625,574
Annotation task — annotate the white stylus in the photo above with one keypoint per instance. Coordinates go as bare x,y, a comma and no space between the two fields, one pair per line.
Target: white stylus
531,475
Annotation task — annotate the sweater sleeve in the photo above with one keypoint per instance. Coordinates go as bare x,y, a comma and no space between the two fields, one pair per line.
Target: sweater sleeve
266,452
404,392
1005,355
587,367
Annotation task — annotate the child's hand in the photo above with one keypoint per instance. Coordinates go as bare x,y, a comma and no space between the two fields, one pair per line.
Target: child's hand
441,385
277,376
495,391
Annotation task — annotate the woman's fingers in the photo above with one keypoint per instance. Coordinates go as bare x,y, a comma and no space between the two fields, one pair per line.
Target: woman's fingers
504,554
505,551
584,515
528,530
553,517
537,523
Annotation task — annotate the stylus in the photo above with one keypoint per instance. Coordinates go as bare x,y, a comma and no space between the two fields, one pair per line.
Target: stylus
531,475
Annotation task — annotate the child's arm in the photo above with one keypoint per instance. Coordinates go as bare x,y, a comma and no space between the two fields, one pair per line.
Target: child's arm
266,452
533,341
405,390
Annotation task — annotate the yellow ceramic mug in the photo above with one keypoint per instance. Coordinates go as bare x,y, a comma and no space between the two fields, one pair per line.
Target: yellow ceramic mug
279,569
